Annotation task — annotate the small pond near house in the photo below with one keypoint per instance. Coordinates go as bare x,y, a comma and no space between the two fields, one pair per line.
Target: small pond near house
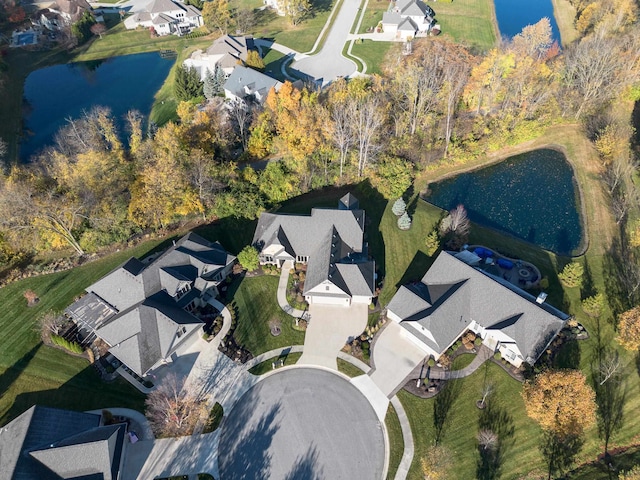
514,15
532,196
53,94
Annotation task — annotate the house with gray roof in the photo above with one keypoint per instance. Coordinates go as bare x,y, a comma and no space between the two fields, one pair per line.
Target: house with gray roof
330,242
249,85
408,19
144,311
454,297
226,52
166,17
52,444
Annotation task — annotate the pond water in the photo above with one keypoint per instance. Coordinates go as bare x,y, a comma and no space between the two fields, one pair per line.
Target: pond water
56,93
532,196
514,15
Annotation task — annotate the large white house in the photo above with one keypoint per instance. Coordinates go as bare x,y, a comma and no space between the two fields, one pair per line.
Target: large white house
454,297
227,52
408,19
166,17
249,85
331,243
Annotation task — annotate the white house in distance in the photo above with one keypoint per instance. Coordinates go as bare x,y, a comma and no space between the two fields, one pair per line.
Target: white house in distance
275,5
166,17
454,297
246,84
227,52
409,18
331,243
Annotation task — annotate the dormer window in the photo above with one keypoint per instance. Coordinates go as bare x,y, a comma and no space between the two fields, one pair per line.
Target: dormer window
183,291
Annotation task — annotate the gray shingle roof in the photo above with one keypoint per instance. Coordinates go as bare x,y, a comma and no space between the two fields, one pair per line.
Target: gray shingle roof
160,6
454,294
349,202
332,239
36,428
91,311
256,81
94,452
235,47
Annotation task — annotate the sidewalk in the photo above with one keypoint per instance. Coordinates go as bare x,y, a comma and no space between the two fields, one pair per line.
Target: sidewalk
282,293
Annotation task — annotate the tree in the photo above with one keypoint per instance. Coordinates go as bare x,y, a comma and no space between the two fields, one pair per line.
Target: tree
487,439
457,222
393,176
366,119
560,401
172,410
593,305
629,329
295,10
254,60
210,87
81,30
432,242
241,114
404,222
51,323
435,463
217,15
633,474
277,183
249,258
3,149
399,207
245,19
187,84
98,29
571,275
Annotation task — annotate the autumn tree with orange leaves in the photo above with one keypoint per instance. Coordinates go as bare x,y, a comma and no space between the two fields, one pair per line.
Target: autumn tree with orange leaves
629,329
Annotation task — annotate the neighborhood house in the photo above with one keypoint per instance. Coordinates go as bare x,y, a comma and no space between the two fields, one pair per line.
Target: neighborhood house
49,444
145,312
330,242
249,85
166,18
409,18
454,297
226,52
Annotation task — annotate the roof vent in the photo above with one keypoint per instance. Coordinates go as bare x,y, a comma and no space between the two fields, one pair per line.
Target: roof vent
541,298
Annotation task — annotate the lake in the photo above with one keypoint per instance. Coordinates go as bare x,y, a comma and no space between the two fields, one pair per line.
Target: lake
532,196
514,15
56,93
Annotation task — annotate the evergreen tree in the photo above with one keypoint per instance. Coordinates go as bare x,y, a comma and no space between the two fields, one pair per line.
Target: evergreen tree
399,207
82,28
404,222
220,79
188,84
209,87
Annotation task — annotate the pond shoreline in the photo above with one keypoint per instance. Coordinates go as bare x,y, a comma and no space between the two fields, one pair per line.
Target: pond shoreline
510,152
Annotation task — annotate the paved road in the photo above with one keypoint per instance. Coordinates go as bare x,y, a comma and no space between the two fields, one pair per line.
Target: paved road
329,64
302,423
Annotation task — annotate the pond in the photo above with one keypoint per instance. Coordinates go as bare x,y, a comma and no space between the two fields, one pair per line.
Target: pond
514,15
53,94
532,196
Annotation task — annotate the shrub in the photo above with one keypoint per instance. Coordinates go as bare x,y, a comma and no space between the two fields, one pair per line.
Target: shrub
544,283
399,207
497,356
593,305
215,418
431,362
477,342
31,296
571,275
249,258
432,243
404,222
72,347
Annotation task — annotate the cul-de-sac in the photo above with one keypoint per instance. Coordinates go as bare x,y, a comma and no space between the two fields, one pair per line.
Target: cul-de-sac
319,240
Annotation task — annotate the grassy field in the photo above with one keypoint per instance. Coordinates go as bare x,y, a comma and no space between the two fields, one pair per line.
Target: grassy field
471,22
373,15
396,444
267,365
373,53
255,301
565,15
273,61
348,369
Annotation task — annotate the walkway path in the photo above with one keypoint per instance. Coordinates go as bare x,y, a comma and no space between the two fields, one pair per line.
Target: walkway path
484,354
282,293
407,438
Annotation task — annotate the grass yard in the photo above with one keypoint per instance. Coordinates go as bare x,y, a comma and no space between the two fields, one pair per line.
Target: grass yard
349,369
33,373
396,443
273,61
255,301
471,22
267,365
373,53
373,15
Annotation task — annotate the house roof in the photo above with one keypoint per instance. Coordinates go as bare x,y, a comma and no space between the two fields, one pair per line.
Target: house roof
391,18
36,429
256,81
407,25
414,8
332,239
348,202
72,8
453,294
138,308
163,6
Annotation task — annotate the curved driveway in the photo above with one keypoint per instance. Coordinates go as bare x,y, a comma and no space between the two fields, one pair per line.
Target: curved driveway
302,423
329,64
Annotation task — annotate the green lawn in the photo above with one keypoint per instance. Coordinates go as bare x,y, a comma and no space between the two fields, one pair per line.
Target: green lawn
396,443
349,369
468,21
267,365
373,15
373,53
255,302
273,61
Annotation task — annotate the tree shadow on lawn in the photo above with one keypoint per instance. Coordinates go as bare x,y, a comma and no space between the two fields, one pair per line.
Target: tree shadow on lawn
620,274
11,374
84,391
417,268
497,420
442,407
568,355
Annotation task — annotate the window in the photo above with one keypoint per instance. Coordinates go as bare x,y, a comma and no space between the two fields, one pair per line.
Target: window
183,290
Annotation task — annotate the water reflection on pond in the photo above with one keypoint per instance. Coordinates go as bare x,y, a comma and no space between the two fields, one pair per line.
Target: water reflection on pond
532,196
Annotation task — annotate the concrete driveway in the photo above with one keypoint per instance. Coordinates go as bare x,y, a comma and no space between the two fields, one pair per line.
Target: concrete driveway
394,358
301,423
329,63
330,328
